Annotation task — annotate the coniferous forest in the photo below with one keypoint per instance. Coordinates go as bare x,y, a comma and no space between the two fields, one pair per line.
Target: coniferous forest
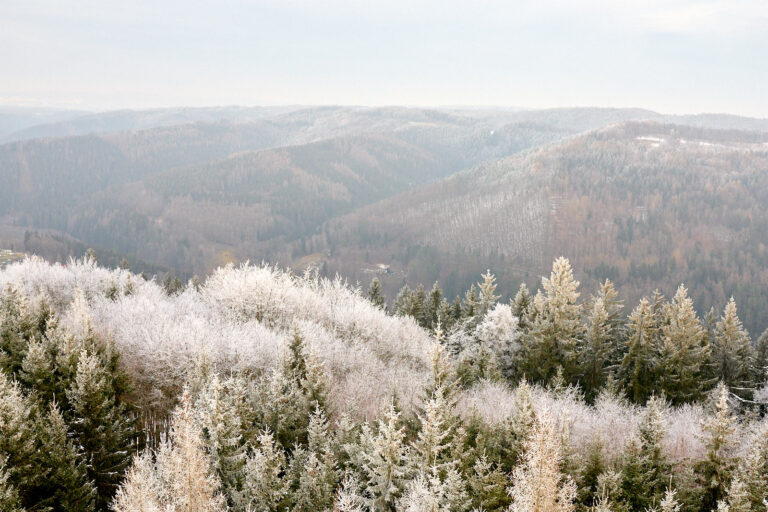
258,389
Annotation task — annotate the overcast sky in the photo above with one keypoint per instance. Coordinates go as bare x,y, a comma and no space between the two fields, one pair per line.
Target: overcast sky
667,55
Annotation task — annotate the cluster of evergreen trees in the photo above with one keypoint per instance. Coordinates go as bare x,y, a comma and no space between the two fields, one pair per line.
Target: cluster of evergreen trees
661,348
72,436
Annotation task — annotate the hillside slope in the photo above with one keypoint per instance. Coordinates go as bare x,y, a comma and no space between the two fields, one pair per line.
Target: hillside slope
646,205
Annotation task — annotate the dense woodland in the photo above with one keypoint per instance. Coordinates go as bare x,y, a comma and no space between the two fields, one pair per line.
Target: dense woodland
257,389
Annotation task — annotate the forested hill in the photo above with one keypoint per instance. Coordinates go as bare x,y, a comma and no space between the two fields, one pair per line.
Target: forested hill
645,204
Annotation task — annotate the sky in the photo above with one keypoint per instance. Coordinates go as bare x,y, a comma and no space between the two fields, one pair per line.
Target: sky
672,56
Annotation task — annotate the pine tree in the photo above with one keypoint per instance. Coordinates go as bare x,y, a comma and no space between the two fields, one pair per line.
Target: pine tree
488,297
218,416
537,484
596,351
645,470
521,305
376,294
732,351
313,470
715,471
383,462
141,490
637,372
100,425
263,488
17,438
684,352
9,496
556,330
188,478
63,483
753,469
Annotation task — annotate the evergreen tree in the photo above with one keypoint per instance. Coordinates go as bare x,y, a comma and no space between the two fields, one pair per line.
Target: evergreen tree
521,305
404,303
684,352
188,479
471,304
556,330
537,483
376,294
732,351
17,439
263,488
383,459
488,486
101,426
313,470
715,471
488,297
737,498
596,351
638,367
9,496
141,490
63,482
434,307
217,414
645,470
753,470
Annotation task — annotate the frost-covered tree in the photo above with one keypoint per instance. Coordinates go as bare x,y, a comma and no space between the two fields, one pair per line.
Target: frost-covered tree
141,490
521,304
684,352
376,294
263,487
715,470
189,482
428,492
9,496
556,330
498,334
752,471
645,470
487,486
383,461
63,482
596,350
100,425
488,297
637,371
537,483
218,416
17,437
737,498
313,469
732,355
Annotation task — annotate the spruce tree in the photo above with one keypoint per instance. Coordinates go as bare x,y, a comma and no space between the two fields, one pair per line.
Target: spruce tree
555,332
383,462
63,482
488,297
263,488
376,295
101,425
753,469
17,439
637,371
732,352
715,471
537,482
596,350
685,352
313,470
760,367
520,306
218,417
9,496
142,489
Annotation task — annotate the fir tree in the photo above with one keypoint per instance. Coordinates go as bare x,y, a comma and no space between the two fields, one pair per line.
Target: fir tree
17,438
101,426
434,307
596,351
263,488
220,422
63,483
638,367
684,352
141,490
488,486
761,358
376,294
537,483
313,470
521,305
555,332
383,462
715,471
488,297
9,496
753,470
732,351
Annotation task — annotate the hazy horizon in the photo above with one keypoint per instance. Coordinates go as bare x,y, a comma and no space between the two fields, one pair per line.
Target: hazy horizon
679,57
